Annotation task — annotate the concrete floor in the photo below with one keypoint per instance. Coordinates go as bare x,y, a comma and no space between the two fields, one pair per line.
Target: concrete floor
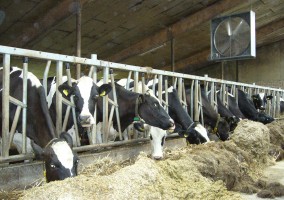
273,173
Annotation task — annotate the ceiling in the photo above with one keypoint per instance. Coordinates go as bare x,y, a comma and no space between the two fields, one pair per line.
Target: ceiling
137,32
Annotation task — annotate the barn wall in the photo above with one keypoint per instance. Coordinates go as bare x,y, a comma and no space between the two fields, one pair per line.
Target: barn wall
266,69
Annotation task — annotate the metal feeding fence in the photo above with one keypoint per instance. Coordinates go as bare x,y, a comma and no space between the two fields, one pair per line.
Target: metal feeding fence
179,81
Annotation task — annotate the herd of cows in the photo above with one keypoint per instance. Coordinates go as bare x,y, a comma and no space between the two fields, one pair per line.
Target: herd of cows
59,158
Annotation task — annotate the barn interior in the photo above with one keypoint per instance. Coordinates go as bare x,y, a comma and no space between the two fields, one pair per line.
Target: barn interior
168,35
171,35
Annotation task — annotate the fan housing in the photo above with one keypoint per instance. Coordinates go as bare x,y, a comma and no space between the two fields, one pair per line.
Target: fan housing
233,37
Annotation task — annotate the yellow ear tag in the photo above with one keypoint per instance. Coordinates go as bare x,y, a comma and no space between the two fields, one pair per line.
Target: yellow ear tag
65,92
185,135
103,93
44,173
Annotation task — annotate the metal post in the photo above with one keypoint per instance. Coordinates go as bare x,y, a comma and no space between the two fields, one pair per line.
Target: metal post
24,112
59,67
94,76
105,107
78,38
136,79
143,83
5,105
196,95
160,85
166,95
45,76
180,89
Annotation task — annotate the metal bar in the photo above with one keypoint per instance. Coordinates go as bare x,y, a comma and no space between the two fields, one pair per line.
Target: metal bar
160,87
115,104
143,83
68,73
128,80
166,95
17,102
68,103
24,111
200,105
105,107
14,124
196,106
78,38
113,65
5,105
45,76
180,89
16,158
192,99
59,67
136,79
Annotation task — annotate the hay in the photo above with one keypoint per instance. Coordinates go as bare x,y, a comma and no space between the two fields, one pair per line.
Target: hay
206,171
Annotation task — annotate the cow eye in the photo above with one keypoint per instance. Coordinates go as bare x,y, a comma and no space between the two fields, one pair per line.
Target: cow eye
52,166
155,104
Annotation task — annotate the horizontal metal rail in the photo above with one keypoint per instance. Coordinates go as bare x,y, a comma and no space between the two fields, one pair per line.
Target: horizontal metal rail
113,65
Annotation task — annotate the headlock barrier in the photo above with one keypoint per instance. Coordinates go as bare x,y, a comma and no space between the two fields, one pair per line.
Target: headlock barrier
178,80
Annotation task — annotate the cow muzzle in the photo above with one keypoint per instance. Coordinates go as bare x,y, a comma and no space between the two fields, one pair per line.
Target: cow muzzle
85,120
172,126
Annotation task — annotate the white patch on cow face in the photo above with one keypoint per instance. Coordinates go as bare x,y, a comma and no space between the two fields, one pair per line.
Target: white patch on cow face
200,129
157,137
85,85
53,89
64,154
261,95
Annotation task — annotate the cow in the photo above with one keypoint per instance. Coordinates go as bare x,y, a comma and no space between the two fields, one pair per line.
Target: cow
234,107
157,135
194,132
211,118
59,160
248,109
260,100
224,112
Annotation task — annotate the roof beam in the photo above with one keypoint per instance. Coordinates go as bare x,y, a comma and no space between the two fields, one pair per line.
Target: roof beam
176,29
63,10
200,59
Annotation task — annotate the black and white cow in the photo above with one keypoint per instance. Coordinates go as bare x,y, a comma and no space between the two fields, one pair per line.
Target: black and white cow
194,132
260,100
234,107
211,118
59,159
85,94
248,109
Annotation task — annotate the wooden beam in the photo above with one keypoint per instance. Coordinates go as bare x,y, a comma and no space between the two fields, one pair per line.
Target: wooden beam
63,10
176,29
200,59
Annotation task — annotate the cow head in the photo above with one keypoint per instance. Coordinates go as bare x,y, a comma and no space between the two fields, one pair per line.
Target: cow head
264,118
260,100
195,134
85,93
157,140
232,121
222,129
152,112
59,159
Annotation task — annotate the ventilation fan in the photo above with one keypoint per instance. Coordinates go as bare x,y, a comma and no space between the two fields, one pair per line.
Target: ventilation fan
233,37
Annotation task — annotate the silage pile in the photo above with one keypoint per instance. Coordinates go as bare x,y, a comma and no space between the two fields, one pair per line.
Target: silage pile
205,171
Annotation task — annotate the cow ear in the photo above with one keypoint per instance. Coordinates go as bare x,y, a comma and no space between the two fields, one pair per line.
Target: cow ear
104,89
67,137
38,151
66,90
269,97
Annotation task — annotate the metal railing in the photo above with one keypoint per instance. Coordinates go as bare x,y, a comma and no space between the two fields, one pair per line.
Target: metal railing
179,81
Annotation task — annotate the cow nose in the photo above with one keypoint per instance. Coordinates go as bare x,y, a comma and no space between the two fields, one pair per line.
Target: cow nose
84,118
157,157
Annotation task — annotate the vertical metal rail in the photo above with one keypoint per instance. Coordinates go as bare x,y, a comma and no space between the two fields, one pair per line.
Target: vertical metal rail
116,104
24,111
200,108
5,105
166,95
277,104
68,73
143,83
180,89
184,96
192,100
274,105
160,87
128,80
45,76
105,107
136,80
78,38
93,74
59,67
196,97
154,84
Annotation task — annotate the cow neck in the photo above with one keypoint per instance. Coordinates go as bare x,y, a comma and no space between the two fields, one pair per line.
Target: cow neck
137,116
